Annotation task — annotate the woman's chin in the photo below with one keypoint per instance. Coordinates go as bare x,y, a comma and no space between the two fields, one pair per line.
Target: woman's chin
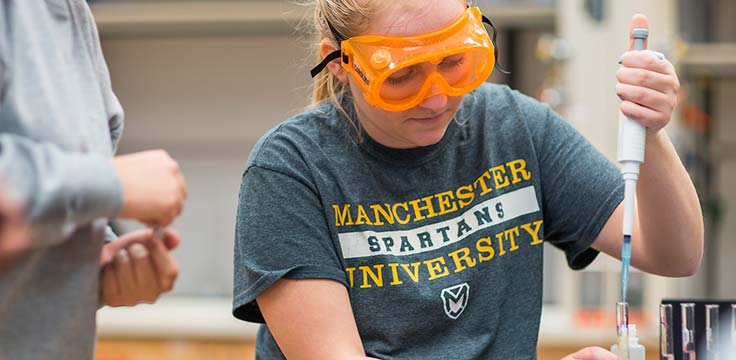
428,138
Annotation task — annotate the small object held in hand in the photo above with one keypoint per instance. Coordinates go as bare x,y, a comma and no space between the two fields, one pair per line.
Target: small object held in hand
158,233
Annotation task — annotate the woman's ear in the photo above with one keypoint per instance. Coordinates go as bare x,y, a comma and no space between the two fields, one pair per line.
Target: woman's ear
326,47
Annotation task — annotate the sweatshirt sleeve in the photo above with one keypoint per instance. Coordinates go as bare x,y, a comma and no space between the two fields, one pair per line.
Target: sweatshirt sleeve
3,50
59,190
115,113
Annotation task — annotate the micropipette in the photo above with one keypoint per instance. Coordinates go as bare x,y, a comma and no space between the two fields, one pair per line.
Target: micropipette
631,141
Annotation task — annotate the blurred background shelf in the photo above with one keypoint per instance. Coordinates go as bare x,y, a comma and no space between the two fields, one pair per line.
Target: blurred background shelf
174,18
520,15
712,59
176,318
203,18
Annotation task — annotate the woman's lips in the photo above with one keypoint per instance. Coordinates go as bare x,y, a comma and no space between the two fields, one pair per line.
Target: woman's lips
431,118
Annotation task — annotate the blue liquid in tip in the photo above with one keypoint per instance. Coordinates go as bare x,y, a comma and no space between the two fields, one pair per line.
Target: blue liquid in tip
625,262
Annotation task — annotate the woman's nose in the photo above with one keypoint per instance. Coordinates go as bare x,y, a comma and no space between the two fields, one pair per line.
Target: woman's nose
435,101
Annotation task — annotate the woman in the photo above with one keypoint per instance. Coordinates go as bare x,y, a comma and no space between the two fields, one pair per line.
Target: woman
404,217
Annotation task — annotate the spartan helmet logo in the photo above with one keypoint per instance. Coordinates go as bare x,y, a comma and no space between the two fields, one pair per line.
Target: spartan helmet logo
454,299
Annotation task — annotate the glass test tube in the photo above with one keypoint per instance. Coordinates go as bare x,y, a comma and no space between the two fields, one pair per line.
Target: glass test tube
688,331
666,348
711,331
733,328
622,329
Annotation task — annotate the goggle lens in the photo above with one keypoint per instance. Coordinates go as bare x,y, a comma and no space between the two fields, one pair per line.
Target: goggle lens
455,74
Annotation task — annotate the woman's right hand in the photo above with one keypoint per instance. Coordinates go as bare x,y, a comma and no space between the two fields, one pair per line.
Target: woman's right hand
592,353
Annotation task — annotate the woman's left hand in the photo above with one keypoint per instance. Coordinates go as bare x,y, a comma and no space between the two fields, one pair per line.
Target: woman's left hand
647,86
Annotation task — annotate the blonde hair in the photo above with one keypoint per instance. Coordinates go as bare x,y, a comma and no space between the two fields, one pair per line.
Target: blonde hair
333,19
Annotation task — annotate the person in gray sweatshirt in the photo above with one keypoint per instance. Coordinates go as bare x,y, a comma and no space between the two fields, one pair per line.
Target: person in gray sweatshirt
59,126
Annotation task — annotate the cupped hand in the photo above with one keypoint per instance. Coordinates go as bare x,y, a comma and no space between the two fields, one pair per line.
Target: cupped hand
138,268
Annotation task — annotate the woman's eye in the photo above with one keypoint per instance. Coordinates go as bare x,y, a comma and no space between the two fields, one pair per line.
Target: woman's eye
401,76
451,61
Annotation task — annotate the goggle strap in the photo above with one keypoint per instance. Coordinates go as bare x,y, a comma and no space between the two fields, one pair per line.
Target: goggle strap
495,47
322,65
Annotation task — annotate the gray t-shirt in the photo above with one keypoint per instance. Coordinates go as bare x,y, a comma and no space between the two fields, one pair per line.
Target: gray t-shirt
439,247
59,125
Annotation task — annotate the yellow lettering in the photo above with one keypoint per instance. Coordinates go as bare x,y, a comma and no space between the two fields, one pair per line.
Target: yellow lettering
480,181
499,177
459,258
534,232
488,248
499,238
436,268
510,235
379,211
413,274
444,202
518,167
342,216
351,275
362,217
465,195
418,209
377,277
396,213
395,274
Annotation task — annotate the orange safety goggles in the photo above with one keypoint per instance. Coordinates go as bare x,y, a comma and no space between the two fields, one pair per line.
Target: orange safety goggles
397,73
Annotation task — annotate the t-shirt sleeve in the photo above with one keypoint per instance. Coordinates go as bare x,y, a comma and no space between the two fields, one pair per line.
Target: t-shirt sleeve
580,187
281,232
